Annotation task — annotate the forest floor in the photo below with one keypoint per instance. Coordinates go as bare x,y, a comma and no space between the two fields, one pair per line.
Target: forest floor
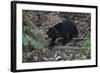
35,22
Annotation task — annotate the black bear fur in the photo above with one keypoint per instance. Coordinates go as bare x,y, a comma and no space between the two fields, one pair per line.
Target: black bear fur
65,30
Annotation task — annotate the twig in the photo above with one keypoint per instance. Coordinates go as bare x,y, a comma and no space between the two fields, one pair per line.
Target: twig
83,35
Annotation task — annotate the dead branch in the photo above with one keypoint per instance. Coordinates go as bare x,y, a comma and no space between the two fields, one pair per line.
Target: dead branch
79,38
66,47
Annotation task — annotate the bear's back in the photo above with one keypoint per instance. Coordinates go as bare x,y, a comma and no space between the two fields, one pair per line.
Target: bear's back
67,27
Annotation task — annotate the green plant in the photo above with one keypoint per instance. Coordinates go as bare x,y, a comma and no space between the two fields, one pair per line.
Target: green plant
86,53
30,36
87,48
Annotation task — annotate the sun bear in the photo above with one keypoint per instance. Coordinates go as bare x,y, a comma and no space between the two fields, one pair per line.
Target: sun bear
66,30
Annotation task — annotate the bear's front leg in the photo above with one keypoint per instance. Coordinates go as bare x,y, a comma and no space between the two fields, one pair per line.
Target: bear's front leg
52,42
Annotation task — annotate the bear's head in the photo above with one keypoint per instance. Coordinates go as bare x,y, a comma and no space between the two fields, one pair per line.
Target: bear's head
51,32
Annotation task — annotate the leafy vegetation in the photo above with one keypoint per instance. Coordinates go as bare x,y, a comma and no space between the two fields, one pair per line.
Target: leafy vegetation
87,47
84,54
29,37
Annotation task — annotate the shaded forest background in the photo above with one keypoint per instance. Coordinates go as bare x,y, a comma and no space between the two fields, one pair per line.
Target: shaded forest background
35,25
